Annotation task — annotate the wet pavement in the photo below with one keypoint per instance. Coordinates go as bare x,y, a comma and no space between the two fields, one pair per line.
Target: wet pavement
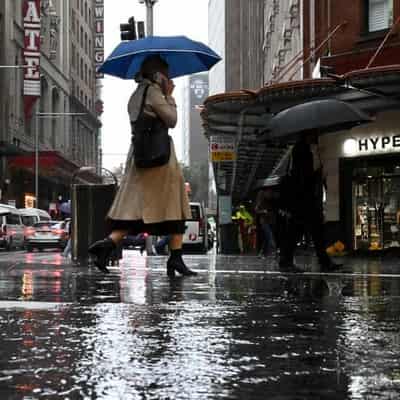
240,330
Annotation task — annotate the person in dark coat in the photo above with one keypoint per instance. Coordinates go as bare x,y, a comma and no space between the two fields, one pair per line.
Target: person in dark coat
265,214
304,205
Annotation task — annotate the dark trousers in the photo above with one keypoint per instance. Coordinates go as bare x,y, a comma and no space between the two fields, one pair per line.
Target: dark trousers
296,226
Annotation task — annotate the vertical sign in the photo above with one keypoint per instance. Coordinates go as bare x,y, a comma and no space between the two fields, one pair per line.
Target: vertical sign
99,36
31,55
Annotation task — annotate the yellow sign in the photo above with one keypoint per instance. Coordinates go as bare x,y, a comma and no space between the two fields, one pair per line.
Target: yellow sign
218,156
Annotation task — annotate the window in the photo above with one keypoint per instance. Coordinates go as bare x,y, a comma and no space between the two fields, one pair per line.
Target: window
81,71
13,219
86,42
73,61
380,14
86,74
81,38
86,11
73,22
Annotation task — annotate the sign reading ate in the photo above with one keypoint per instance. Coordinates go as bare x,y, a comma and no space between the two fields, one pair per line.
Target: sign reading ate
31,53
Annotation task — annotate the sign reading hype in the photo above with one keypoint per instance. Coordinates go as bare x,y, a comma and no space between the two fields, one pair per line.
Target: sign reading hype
31,54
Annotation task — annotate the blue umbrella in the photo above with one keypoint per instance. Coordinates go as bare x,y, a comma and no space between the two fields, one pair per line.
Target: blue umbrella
66,207
184,56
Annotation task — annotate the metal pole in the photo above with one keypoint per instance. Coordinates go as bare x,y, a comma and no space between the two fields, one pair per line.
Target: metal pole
37,160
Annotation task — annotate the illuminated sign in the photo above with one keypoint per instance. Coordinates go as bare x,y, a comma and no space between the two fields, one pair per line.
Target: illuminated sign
371,145
31,53
99,36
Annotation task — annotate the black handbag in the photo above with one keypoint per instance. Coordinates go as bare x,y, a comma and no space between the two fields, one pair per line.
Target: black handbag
151,142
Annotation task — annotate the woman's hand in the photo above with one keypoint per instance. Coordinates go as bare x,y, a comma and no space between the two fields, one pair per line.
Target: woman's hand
170,87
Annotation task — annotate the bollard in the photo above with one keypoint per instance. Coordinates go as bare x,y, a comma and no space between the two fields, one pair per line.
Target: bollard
89,206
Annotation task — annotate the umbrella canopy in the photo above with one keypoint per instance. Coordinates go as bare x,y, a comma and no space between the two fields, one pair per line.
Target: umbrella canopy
66,207
184,56
319,116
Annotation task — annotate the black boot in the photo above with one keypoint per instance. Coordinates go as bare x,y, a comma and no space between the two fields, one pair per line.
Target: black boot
102,251
176,263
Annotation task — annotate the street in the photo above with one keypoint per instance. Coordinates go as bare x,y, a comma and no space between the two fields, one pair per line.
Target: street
240,330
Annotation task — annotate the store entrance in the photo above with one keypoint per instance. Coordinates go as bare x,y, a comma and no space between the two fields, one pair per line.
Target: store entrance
376,205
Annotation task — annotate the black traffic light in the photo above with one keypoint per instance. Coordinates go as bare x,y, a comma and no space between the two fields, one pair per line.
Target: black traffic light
141,30
128,31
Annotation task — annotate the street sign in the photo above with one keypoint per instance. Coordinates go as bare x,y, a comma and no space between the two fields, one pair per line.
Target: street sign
222,149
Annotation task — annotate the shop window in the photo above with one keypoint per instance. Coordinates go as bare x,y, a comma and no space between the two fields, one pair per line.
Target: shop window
380,14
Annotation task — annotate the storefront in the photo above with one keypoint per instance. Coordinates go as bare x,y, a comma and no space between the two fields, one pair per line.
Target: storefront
363,168
363,196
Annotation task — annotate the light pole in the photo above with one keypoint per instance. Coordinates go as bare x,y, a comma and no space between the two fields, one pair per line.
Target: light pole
39,115
149,15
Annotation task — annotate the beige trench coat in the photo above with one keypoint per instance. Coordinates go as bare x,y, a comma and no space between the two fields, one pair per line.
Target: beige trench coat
152,194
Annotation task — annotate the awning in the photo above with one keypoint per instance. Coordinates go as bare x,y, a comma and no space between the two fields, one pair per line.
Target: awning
243,115
51,164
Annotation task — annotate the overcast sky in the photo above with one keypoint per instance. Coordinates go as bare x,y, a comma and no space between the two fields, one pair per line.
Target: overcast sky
171,17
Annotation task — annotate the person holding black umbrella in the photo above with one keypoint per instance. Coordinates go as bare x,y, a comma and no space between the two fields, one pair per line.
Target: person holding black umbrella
304,204
150,199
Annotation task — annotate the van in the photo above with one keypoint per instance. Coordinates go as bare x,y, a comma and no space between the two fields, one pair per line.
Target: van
31,216
195,237
11,227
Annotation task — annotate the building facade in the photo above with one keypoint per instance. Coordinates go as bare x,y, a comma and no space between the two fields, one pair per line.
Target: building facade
195,145
236,33
67,81
282,49
363,165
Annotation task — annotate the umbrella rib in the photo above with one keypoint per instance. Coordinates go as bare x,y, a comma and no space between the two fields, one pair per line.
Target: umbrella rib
166,50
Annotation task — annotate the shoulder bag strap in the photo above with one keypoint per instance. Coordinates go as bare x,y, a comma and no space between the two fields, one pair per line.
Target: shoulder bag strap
143,99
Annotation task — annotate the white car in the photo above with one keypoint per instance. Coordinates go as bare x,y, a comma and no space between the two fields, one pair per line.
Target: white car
30,216
195,237
11,227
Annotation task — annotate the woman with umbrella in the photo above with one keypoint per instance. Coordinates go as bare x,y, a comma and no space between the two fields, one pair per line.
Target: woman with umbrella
151,200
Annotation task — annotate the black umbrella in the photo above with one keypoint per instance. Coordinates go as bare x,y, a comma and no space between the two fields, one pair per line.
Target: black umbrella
318,116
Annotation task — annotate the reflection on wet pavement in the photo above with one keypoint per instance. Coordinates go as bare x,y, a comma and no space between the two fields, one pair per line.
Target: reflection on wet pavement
244,333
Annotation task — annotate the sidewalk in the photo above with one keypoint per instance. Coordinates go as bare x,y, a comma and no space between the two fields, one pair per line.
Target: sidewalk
239,330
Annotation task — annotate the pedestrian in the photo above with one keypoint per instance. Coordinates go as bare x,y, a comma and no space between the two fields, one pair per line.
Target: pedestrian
304,204
68,248
151,200
265,214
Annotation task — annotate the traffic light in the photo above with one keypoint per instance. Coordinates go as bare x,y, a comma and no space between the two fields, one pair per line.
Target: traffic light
141,30
128,31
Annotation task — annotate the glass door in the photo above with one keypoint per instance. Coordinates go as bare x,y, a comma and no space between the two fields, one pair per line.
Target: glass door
376,207
368,211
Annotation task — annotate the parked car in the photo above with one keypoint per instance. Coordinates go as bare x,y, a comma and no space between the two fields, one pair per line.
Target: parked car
195,237
30,216
47,235
11,228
